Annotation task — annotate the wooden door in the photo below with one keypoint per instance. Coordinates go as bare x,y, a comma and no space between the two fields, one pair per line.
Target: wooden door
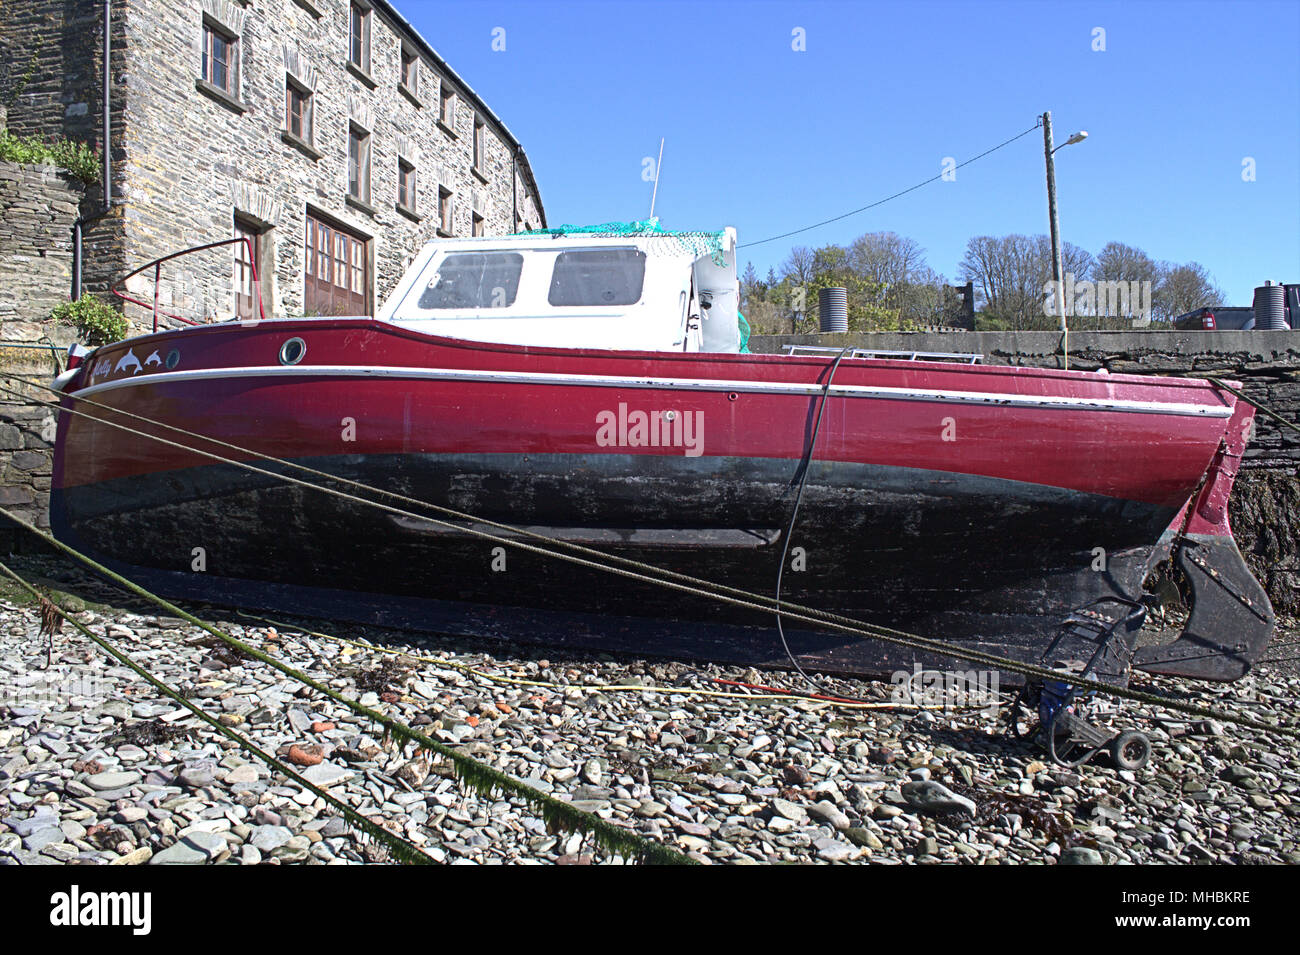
336,272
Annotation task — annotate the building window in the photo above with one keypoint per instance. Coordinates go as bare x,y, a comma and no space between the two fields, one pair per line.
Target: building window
250,278
448,112
220,58
480,150
406,185
359,164
359,38
298,109
478,228
336,270
410,71
444,210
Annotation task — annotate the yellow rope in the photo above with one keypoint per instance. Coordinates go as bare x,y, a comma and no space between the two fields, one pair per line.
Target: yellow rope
596,688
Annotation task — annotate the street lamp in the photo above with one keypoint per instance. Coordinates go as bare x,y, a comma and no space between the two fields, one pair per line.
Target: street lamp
1054,219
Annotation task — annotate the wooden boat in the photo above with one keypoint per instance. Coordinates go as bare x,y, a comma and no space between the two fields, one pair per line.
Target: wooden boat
592,388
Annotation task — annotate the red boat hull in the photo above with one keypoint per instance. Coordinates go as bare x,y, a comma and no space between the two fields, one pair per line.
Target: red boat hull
979,504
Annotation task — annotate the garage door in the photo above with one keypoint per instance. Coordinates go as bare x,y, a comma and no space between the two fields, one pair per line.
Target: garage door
337,274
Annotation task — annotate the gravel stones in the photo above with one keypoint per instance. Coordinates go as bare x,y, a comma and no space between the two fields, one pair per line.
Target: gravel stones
110,781
267,838
128,778
927,796
1081,855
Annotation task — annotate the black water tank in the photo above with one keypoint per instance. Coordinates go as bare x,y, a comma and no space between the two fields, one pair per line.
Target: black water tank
1270,307
833,309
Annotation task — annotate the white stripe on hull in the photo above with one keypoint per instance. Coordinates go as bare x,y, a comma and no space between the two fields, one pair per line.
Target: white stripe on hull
667,384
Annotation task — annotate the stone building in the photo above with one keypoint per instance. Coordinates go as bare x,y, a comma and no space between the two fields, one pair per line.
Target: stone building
327,131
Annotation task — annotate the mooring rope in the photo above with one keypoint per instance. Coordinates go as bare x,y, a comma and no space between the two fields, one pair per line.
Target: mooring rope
1251,401
875,630
680,582
396,496
483,779
403,850
785,695
696,588
801,476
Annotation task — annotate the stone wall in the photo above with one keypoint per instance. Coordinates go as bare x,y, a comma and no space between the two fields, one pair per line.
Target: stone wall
1265,506
38,205
189,162
26,442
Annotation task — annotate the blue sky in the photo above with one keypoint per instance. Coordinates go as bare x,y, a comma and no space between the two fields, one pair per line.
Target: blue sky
769,139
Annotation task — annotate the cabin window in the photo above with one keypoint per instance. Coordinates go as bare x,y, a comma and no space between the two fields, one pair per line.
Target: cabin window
474,280
598,277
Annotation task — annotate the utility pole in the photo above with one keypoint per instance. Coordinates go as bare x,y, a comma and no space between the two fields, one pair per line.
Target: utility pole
1055,222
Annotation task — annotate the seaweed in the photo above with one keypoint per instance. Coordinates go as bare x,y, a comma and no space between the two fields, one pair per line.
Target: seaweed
149,733
220,650
388,674
1032,810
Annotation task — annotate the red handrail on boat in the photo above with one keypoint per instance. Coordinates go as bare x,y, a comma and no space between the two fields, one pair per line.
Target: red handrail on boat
157,265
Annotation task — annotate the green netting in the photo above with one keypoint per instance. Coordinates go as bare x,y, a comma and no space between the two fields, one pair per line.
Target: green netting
697,243
744,333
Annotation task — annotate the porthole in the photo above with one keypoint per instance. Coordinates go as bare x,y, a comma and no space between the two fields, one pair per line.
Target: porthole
173,358
292,351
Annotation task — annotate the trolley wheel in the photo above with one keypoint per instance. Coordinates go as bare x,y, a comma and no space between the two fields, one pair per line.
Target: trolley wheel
1131,750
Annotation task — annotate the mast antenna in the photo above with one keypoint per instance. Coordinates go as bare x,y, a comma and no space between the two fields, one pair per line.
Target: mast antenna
658,164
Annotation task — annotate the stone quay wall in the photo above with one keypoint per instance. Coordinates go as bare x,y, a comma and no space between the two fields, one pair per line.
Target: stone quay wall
1265,505
38,205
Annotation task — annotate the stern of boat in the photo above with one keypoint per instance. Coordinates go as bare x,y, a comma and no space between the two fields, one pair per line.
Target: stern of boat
1231,619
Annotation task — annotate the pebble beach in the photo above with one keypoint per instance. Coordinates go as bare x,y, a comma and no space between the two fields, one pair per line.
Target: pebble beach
99,768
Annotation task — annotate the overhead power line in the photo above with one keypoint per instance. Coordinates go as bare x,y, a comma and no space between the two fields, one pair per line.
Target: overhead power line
881,202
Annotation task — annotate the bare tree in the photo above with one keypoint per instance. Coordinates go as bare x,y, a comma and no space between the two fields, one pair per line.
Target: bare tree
886,257
798,265
920,299
1011,273
1183,288
1117,262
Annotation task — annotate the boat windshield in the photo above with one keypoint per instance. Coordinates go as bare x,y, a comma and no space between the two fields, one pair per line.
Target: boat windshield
474,280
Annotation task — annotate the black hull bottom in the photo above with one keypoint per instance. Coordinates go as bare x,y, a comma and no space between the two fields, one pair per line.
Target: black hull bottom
989,564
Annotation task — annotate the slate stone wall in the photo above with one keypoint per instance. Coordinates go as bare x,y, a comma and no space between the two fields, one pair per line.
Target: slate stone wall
38,205
188,162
